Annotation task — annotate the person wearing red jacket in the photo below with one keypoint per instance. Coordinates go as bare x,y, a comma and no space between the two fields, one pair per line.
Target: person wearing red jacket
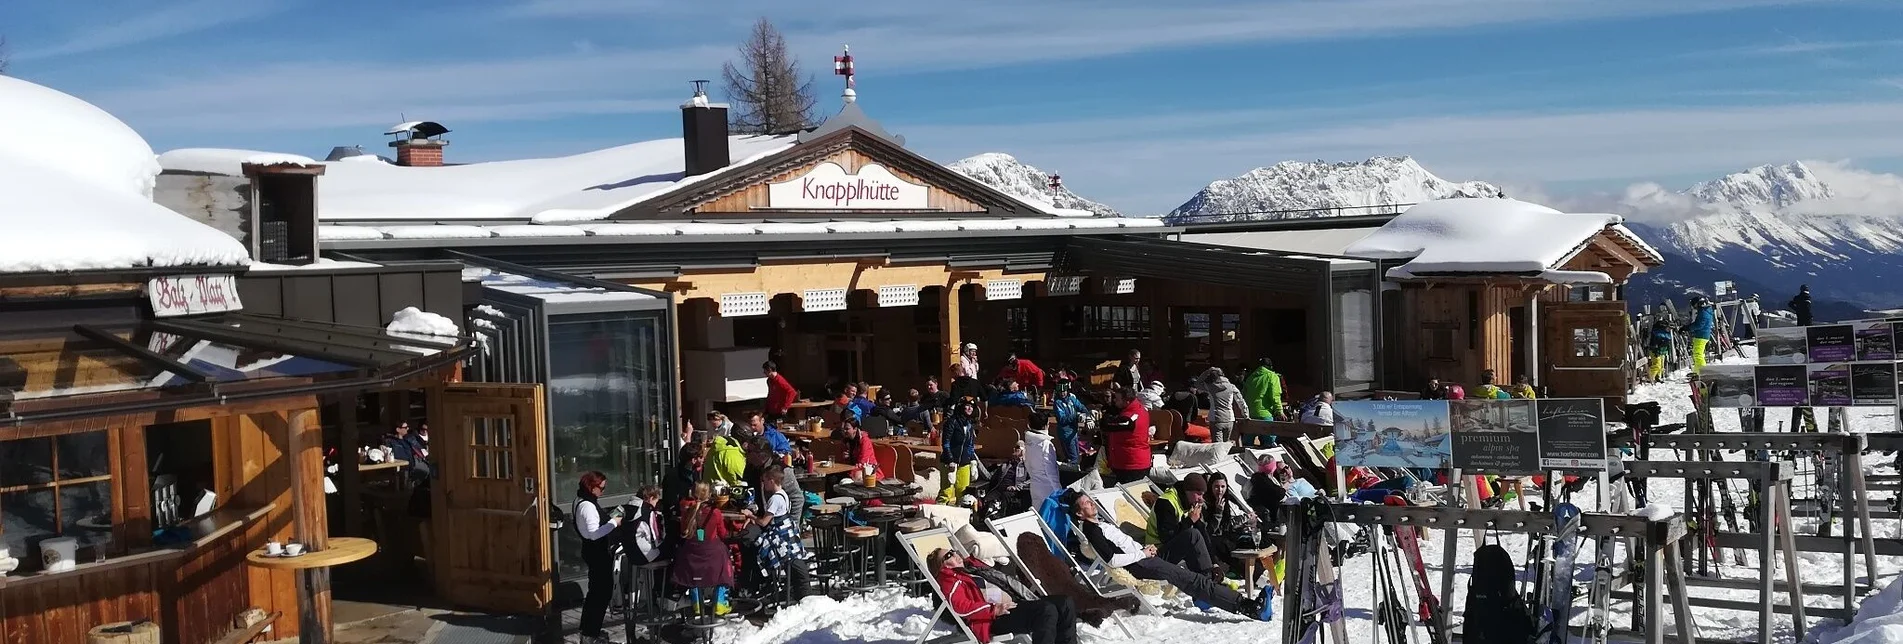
987,610
1026,373
1127,438
780,394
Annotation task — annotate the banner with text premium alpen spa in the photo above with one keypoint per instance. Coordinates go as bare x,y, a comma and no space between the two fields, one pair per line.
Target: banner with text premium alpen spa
1495,436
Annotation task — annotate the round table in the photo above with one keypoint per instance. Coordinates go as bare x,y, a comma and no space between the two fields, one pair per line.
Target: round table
342,550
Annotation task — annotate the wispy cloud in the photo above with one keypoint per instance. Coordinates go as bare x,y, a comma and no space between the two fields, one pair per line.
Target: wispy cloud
313,96
109,28
1797,46
1153,172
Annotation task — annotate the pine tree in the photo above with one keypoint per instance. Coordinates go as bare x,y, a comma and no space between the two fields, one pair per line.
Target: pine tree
768,92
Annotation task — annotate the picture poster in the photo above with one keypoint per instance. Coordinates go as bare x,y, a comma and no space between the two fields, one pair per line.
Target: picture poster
1873,383
1572,433
1392,433
1783,345
1831,343
1829,384
1495,436
1730,385
1876,340
1783,386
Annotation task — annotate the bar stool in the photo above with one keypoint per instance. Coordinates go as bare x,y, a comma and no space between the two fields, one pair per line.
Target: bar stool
882,518
831,554
870,548
645,584
700,617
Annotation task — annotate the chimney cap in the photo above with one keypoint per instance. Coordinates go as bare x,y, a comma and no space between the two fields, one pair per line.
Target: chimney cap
423,129
700,97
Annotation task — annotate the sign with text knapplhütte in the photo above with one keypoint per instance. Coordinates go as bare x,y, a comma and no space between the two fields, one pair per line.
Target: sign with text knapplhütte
829,187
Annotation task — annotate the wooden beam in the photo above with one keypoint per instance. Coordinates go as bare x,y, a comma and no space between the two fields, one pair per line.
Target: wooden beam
1612,247
797,278
949,318
304,445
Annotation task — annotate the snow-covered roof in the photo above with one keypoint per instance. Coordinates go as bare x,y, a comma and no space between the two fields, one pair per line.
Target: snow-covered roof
1486,236
225,161
535,233
57,131
76,193
582,187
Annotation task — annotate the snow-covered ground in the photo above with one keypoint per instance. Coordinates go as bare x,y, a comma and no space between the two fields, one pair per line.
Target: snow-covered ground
892,617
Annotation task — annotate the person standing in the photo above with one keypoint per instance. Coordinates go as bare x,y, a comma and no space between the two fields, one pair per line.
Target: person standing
780,394
1130,373
1225,405
597,551
1071,413
959,440
1658,345
1262,389
1027,374
1704,320
1800,305
968,358
1127,435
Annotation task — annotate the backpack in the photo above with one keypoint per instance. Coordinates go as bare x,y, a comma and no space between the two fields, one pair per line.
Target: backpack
1496,613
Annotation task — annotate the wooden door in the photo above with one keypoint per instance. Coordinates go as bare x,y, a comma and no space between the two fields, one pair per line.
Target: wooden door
489,516
1583,346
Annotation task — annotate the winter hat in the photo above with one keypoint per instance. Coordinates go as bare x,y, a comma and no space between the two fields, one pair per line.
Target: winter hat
1268,466
1193,482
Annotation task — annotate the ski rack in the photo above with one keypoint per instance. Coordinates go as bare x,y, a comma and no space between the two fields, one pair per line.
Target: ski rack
1772,480
1858,529
1658,538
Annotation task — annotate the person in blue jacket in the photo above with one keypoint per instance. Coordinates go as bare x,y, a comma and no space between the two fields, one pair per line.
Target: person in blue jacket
1070,419
1658,345
959,440
1704,318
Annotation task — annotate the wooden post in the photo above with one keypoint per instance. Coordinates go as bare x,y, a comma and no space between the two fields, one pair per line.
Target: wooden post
349,480
1681,601
304,447
1767,584
1792,577
1656,557
948,331
1855,499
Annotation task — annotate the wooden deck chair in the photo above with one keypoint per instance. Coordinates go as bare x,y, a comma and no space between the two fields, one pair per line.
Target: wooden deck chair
1237,469
905,468
1169,426
1008,529
998,439
920,545
1130,515
1134,491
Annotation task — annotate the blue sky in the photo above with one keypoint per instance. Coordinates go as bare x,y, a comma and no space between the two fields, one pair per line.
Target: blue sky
1137,103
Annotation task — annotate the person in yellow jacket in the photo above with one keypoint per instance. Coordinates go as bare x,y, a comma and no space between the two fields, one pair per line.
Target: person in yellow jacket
1522,388
726,461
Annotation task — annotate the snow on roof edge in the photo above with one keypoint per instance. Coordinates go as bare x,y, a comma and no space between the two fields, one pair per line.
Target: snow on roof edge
225,161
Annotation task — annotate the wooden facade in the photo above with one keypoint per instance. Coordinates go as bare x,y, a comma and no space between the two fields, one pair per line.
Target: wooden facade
753,197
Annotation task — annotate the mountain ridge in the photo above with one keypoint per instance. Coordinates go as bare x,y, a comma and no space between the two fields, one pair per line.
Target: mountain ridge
1025,181
1292,189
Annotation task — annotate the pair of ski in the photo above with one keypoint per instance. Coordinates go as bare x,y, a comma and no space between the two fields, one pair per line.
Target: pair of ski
1555,590
1320,599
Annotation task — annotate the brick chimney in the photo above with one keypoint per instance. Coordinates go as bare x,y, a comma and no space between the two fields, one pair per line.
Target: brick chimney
419,143
704,133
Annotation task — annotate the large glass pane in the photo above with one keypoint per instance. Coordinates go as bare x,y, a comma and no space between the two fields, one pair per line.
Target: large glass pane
66,365
26,462
1354,313
227,362
84,455
86,512
606,387
25,517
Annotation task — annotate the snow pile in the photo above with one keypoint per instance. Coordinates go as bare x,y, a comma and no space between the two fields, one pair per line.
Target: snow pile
1654,512
76,193
414,321
225,161
1271,192
1028,184
1495,236
581,187
1878,621
321,264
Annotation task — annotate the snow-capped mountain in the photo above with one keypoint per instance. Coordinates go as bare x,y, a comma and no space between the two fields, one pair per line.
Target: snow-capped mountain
1836,228
1273,192
1024,181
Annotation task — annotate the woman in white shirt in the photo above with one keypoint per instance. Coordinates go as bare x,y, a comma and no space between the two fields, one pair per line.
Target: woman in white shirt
597,550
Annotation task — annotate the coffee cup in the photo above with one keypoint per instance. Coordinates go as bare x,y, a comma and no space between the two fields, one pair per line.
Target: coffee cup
293,549
273,548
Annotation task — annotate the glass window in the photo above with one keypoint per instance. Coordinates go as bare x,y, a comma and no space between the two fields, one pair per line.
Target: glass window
1022,330
1586,343
50,487
1354,316
47,366
1106,322
608,386
491,447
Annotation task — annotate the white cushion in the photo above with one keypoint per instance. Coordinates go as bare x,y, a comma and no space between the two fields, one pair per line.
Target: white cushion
1189,454
950,516
983,545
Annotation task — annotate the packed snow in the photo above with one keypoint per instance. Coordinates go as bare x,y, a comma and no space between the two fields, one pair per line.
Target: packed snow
1028,184
224,161
76,193
582,187
56,131
415,321
322,264
1296,189
1466,235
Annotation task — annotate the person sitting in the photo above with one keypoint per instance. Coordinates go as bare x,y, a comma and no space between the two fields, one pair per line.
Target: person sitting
959,440
885,419
1117,550
1008,491
858,448
407,447
678,486
1173,527
1522,388
852,403
780,548
963,385
1320,410
1488,389
1434,390
1022,371
987,609
1268,488
1010,394
776,441
728,461
1225,527
702,561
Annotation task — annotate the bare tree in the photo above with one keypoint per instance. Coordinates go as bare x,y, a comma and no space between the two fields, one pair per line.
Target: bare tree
768,92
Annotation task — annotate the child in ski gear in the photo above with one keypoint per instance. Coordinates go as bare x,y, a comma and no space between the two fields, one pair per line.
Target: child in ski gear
1522,388
1700,328
1071,413
988,609
1487,389
959,438
1658,345
780,546
702,560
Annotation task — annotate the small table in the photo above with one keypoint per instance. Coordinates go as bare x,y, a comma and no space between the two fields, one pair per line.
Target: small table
1249,559
386,465
342,550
